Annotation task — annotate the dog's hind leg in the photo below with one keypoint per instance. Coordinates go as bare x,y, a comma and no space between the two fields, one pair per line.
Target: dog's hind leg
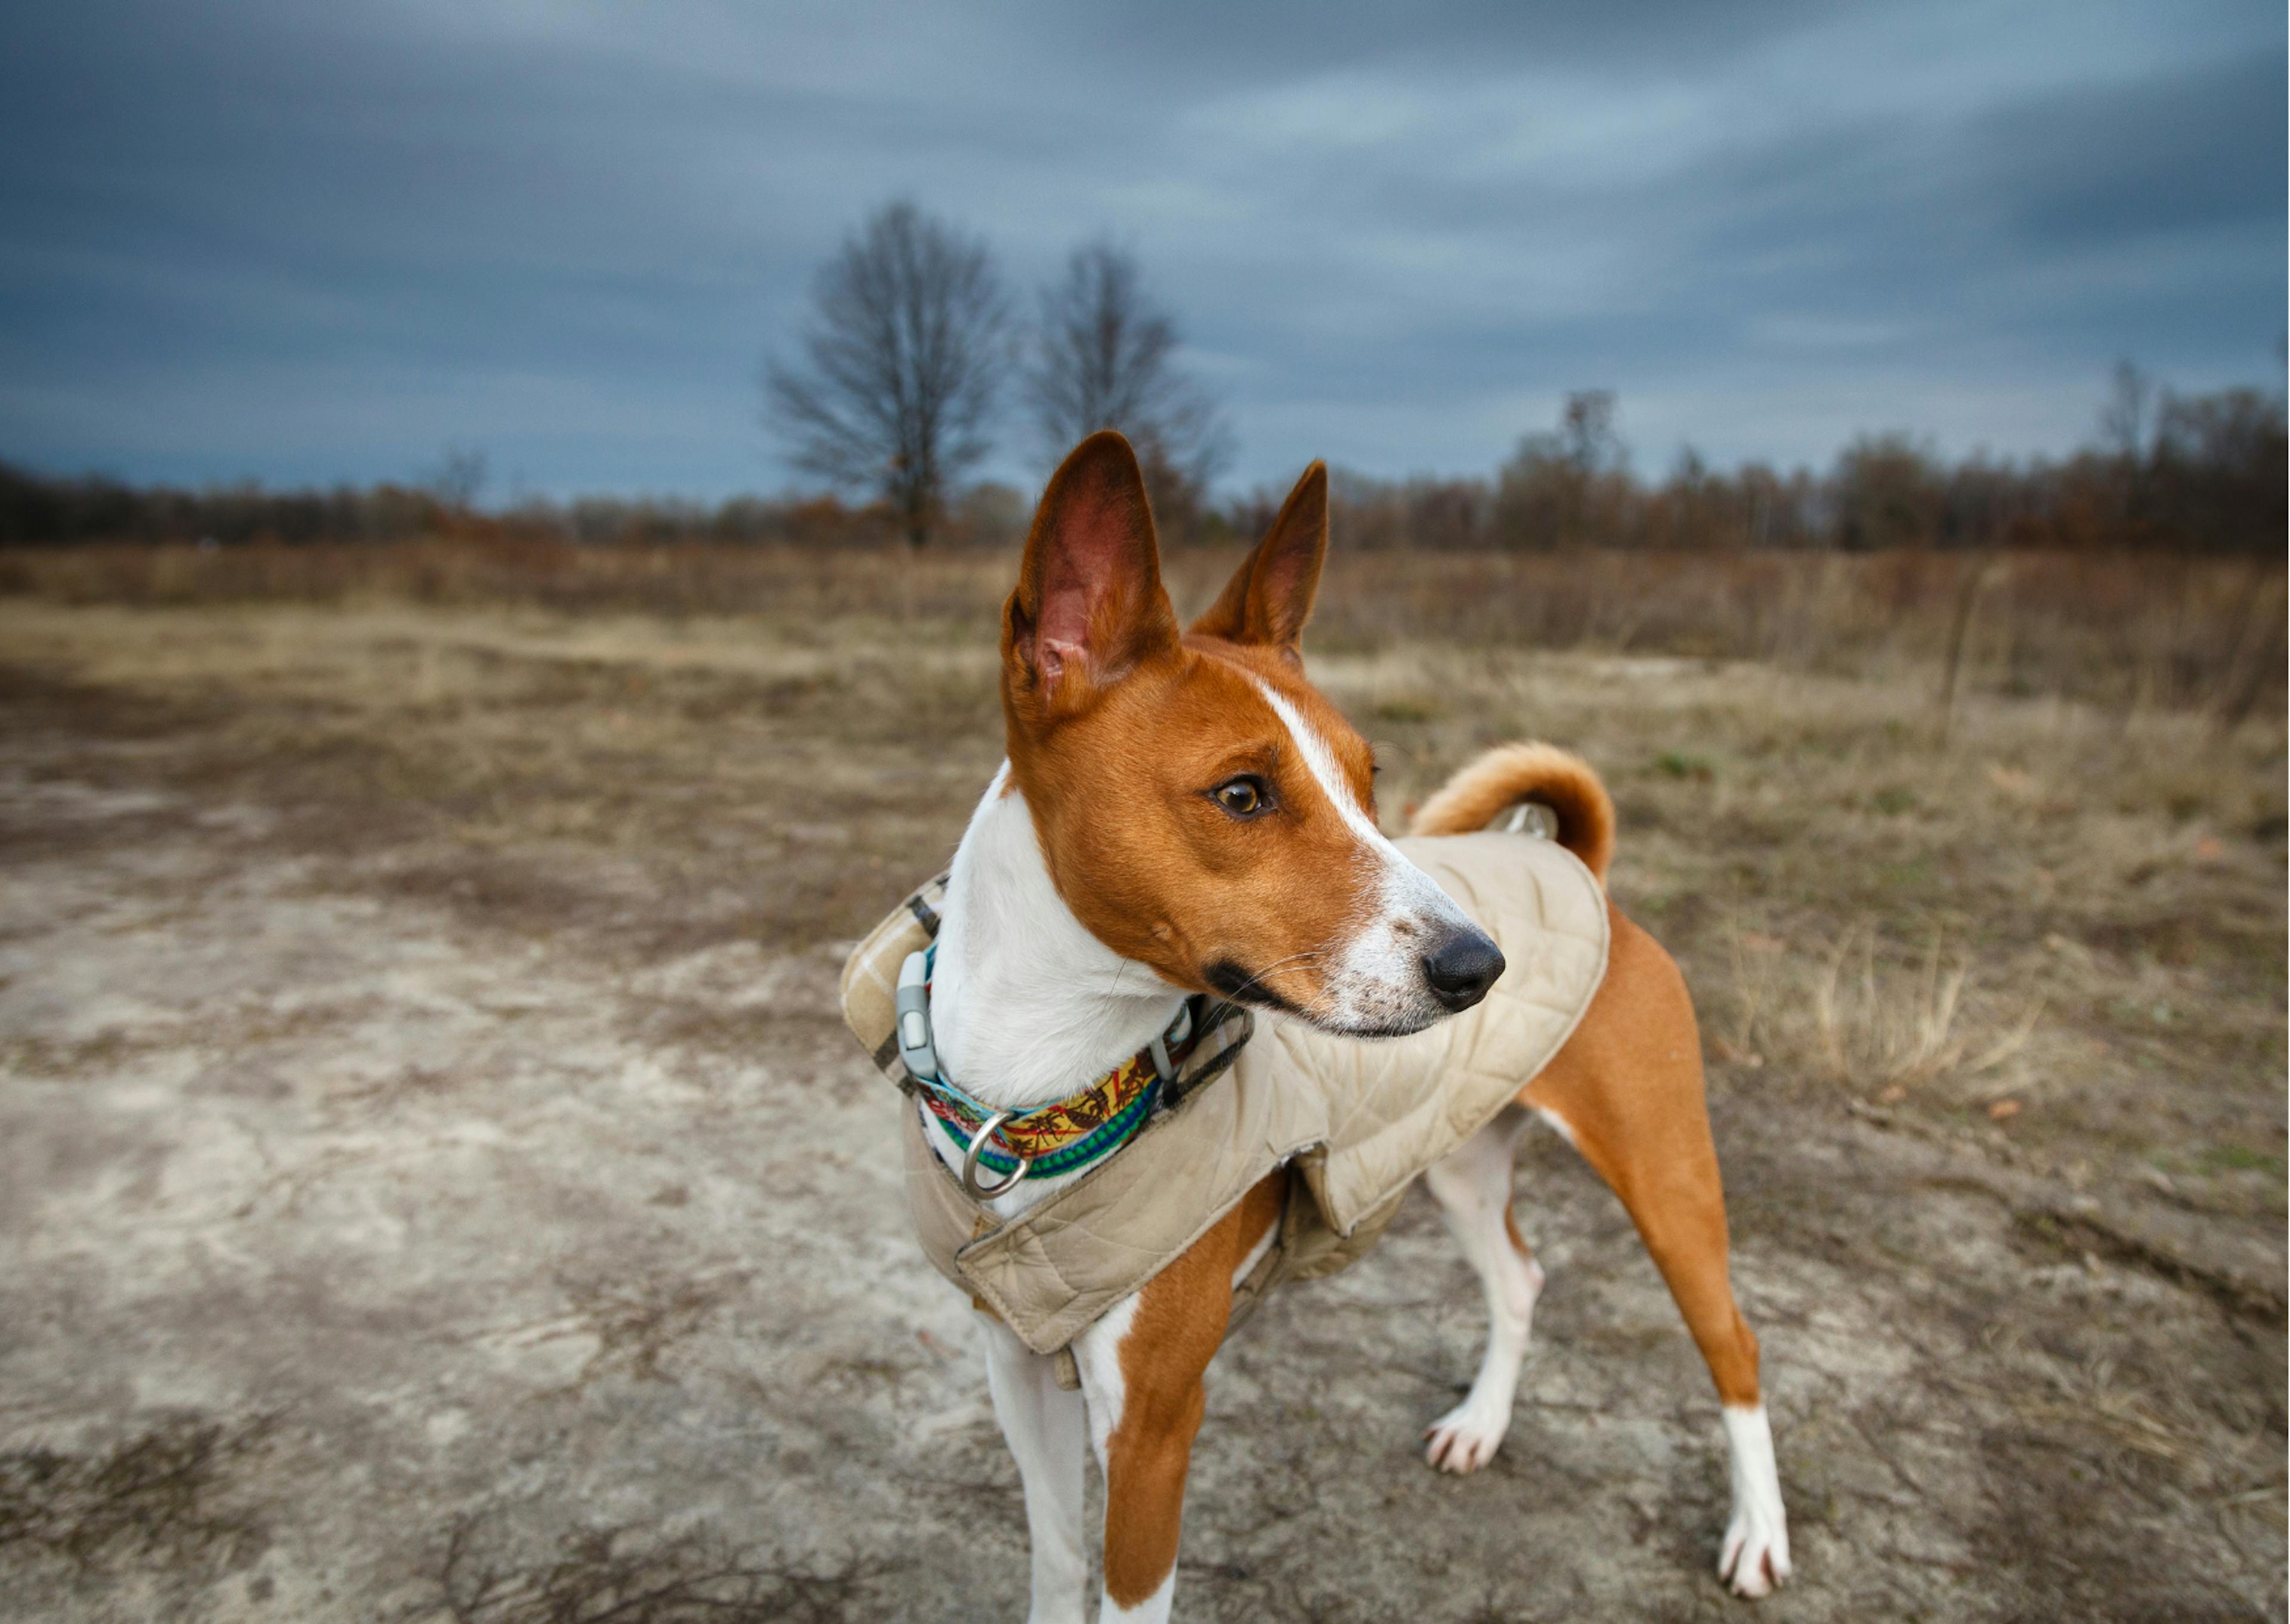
1627,1089
1047,1432
1472,1185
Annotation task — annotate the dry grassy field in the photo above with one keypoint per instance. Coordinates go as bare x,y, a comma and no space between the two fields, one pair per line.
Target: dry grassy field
437,1186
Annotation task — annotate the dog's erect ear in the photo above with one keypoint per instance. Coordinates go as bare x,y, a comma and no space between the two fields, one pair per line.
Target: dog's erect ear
1270,597
1089,606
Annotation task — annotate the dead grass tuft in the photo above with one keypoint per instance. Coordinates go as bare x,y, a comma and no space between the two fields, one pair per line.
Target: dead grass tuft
1862,1013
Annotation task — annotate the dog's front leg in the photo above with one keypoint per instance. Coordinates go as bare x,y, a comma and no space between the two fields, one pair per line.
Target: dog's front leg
1142,1367
1141,1422
1046,1429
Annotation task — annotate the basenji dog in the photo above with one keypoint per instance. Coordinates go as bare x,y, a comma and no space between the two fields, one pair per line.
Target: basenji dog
1182,813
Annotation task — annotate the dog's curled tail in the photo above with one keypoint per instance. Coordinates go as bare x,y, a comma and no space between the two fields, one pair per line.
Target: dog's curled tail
1512,774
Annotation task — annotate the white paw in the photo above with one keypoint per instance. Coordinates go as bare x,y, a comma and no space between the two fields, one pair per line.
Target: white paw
1465,1438
1755,1559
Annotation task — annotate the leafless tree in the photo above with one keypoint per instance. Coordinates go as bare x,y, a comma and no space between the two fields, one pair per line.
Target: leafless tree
1587,429
1104,357
2123,420
904,357
458,477
1568,487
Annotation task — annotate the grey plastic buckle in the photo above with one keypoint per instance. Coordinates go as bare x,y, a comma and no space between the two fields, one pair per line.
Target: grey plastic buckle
1533,819
911,1005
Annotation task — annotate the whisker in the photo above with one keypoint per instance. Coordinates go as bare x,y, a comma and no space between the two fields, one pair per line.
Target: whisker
1257,977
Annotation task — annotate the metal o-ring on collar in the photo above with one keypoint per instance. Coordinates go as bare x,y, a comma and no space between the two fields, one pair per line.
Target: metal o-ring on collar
987,1192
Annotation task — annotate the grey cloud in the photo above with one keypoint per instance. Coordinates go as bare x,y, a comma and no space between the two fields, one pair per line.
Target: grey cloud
1206,41
311,242
2184,152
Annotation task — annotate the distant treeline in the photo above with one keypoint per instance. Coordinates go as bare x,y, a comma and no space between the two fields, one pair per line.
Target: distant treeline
36,510
2206,475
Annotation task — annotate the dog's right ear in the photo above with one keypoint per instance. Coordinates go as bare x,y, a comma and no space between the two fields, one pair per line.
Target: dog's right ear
1270,597
1089,606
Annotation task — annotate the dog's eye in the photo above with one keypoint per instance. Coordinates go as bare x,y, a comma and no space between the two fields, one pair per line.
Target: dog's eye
1243,797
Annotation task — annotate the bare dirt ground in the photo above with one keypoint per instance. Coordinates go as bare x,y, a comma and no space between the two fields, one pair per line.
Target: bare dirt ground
436,1184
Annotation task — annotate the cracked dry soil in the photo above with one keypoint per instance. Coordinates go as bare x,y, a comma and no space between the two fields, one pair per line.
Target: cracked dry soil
436,1185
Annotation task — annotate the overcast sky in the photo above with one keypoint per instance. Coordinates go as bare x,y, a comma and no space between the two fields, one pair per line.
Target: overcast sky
316,241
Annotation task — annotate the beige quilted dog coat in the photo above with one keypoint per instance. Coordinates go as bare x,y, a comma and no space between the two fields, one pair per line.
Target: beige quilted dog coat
1355,1119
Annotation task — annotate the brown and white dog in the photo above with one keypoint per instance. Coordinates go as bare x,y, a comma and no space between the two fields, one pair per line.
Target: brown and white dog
1181,812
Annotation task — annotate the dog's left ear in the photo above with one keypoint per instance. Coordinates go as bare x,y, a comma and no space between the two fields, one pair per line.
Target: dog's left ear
1089,607
1270,597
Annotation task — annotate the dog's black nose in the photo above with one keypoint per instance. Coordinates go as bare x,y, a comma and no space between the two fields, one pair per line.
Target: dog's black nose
1462,969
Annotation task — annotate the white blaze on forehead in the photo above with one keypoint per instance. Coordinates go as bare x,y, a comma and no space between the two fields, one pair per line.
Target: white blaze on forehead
1321,761
1376,984
1407,886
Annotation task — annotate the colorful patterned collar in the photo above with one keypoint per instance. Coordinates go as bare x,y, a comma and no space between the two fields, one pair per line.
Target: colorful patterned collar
1069,1134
